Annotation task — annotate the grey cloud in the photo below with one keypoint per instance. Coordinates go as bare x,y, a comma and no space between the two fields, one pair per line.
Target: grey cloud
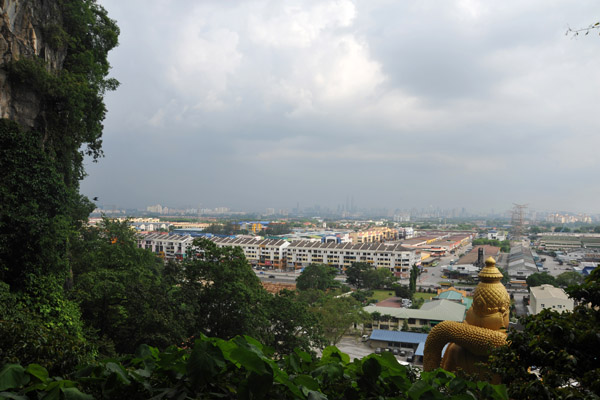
447,104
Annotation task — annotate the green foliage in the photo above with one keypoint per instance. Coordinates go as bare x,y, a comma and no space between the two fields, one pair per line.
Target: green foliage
291,324
417,303
337,314
38,213
243,368
124,292
72,98
403,292
405,326
317,276
40,207
355,274
362,295
277,229
219,293
28,336
414,275
535,230
364,276
565,347
540,278
34,207
228,228
569,278
504,245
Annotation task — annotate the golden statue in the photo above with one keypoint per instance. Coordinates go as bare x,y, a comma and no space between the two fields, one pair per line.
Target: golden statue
484,328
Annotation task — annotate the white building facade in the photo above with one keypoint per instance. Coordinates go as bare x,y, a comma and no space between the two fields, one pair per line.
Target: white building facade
394,257
550,297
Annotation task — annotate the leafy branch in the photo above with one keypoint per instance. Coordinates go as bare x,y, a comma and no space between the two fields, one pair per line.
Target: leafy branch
583,31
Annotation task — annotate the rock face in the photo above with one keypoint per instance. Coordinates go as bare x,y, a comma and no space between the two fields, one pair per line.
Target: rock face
22,27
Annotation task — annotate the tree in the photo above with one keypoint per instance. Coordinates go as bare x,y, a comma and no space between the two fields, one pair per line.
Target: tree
540,278
379,278
291,324
535,229
414,274
38,216
277,229
569,278
41,209
364,276
504,245
355,274
71,100
122,291
317,276
403,292
220,295
405,327
337,315
362,295
565,347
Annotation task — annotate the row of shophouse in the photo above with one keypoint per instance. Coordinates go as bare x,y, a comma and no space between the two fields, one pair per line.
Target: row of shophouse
281,254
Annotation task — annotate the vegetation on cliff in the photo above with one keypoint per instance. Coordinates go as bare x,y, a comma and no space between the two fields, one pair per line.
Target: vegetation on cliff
41,210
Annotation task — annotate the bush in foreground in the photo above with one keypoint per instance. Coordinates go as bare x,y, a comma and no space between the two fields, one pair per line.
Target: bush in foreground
242,368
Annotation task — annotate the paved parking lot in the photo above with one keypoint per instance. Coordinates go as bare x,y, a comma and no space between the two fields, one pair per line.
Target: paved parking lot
356,348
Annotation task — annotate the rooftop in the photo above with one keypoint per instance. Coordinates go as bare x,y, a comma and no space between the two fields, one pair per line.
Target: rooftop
471,257
349,246
398,336
548,292
437,310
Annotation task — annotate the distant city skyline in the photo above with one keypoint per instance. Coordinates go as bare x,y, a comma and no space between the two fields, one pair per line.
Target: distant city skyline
261,104
398,215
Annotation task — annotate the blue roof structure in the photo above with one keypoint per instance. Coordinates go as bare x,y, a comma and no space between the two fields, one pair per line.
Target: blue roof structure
587,270
420,348
396,336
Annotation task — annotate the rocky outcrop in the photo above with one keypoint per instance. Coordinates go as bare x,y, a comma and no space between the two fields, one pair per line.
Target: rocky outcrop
23,24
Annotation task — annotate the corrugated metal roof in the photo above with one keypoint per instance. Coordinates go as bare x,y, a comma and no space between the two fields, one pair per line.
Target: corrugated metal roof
437,310
420,348
450,295
396,336
377,247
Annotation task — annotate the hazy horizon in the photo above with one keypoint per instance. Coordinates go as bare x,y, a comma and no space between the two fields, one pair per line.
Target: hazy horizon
262,104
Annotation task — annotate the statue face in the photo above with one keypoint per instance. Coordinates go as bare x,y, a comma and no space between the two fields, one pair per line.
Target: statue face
494,321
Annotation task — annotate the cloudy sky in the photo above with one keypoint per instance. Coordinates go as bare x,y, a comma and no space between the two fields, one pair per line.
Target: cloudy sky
256,104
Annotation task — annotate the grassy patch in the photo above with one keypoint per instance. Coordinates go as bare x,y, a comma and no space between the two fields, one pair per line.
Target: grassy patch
382,294
425,296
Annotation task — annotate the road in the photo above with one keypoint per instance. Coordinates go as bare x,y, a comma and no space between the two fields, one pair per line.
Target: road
433,276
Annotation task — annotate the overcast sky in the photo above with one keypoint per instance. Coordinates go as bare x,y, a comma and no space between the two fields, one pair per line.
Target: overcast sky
256,104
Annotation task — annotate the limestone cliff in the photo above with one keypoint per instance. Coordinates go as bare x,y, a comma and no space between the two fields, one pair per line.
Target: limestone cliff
24,25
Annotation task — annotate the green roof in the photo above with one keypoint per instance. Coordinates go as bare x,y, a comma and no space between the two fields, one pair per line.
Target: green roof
450,295
440,310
